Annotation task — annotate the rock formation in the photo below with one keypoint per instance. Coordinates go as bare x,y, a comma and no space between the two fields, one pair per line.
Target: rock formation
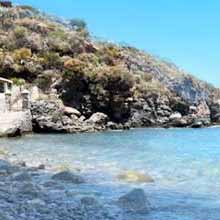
100,85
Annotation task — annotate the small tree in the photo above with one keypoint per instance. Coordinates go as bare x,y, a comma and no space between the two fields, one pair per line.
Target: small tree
78,24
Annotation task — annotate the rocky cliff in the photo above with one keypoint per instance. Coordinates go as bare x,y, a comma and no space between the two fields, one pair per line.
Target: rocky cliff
117,85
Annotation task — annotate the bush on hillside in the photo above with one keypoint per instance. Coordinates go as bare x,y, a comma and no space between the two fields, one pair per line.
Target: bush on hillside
18,81
78,24
109,54
51,60
22,54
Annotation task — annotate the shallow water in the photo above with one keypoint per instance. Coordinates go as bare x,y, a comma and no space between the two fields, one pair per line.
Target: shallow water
184,163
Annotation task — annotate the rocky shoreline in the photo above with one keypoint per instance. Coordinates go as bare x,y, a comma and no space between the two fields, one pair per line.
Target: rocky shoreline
53,117
37,193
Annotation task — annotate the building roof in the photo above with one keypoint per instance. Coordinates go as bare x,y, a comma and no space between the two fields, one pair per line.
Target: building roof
5,80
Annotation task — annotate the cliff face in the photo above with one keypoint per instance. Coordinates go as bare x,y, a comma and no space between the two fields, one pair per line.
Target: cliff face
184,85
126,84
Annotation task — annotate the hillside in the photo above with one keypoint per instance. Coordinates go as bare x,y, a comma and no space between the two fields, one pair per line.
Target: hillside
131,87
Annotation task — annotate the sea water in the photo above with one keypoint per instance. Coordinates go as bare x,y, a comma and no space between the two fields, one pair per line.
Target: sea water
184,163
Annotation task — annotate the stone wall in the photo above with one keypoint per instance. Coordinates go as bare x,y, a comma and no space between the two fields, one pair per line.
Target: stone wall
15,123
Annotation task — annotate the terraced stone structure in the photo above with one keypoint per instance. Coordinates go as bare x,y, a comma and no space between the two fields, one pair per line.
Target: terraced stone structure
13,121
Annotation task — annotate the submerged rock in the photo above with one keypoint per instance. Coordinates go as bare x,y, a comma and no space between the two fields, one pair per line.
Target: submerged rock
6,168
21,163
133,176
89,201
21,177
69,177
4,164
5,216
41,167
135,201
30,190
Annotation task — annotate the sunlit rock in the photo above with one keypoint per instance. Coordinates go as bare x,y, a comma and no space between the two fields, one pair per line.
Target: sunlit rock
136,177
175,116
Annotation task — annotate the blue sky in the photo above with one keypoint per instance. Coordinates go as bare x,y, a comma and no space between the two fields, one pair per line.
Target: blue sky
186,32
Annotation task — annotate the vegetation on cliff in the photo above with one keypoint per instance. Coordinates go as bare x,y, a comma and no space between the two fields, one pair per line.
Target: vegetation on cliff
90,75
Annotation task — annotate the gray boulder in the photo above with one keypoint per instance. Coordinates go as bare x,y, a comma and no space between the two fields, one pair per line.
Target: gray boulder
135,201
197,124
47,116
98,119
179,123
215,111
71,111
175,116
97,122
53,116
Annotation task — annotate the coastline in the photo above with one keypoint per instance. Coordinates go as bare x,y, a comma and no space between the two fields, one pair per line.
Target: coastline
52,116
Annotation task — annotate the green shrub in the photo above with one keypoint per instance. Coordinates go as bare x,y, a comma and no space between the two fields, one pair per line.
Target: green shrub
44,81
109,54
51,60
74,65
22,54
144,88
20,32
58,33
18,81
78,24
89,58
29,8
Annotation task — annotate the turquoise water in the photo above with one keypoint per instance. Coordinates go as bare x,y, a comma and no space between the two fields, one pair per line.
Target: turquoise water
184,163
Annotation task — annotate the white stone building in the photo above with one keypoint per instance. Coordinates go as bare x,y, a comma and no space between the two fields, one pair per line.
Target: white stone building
5,88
